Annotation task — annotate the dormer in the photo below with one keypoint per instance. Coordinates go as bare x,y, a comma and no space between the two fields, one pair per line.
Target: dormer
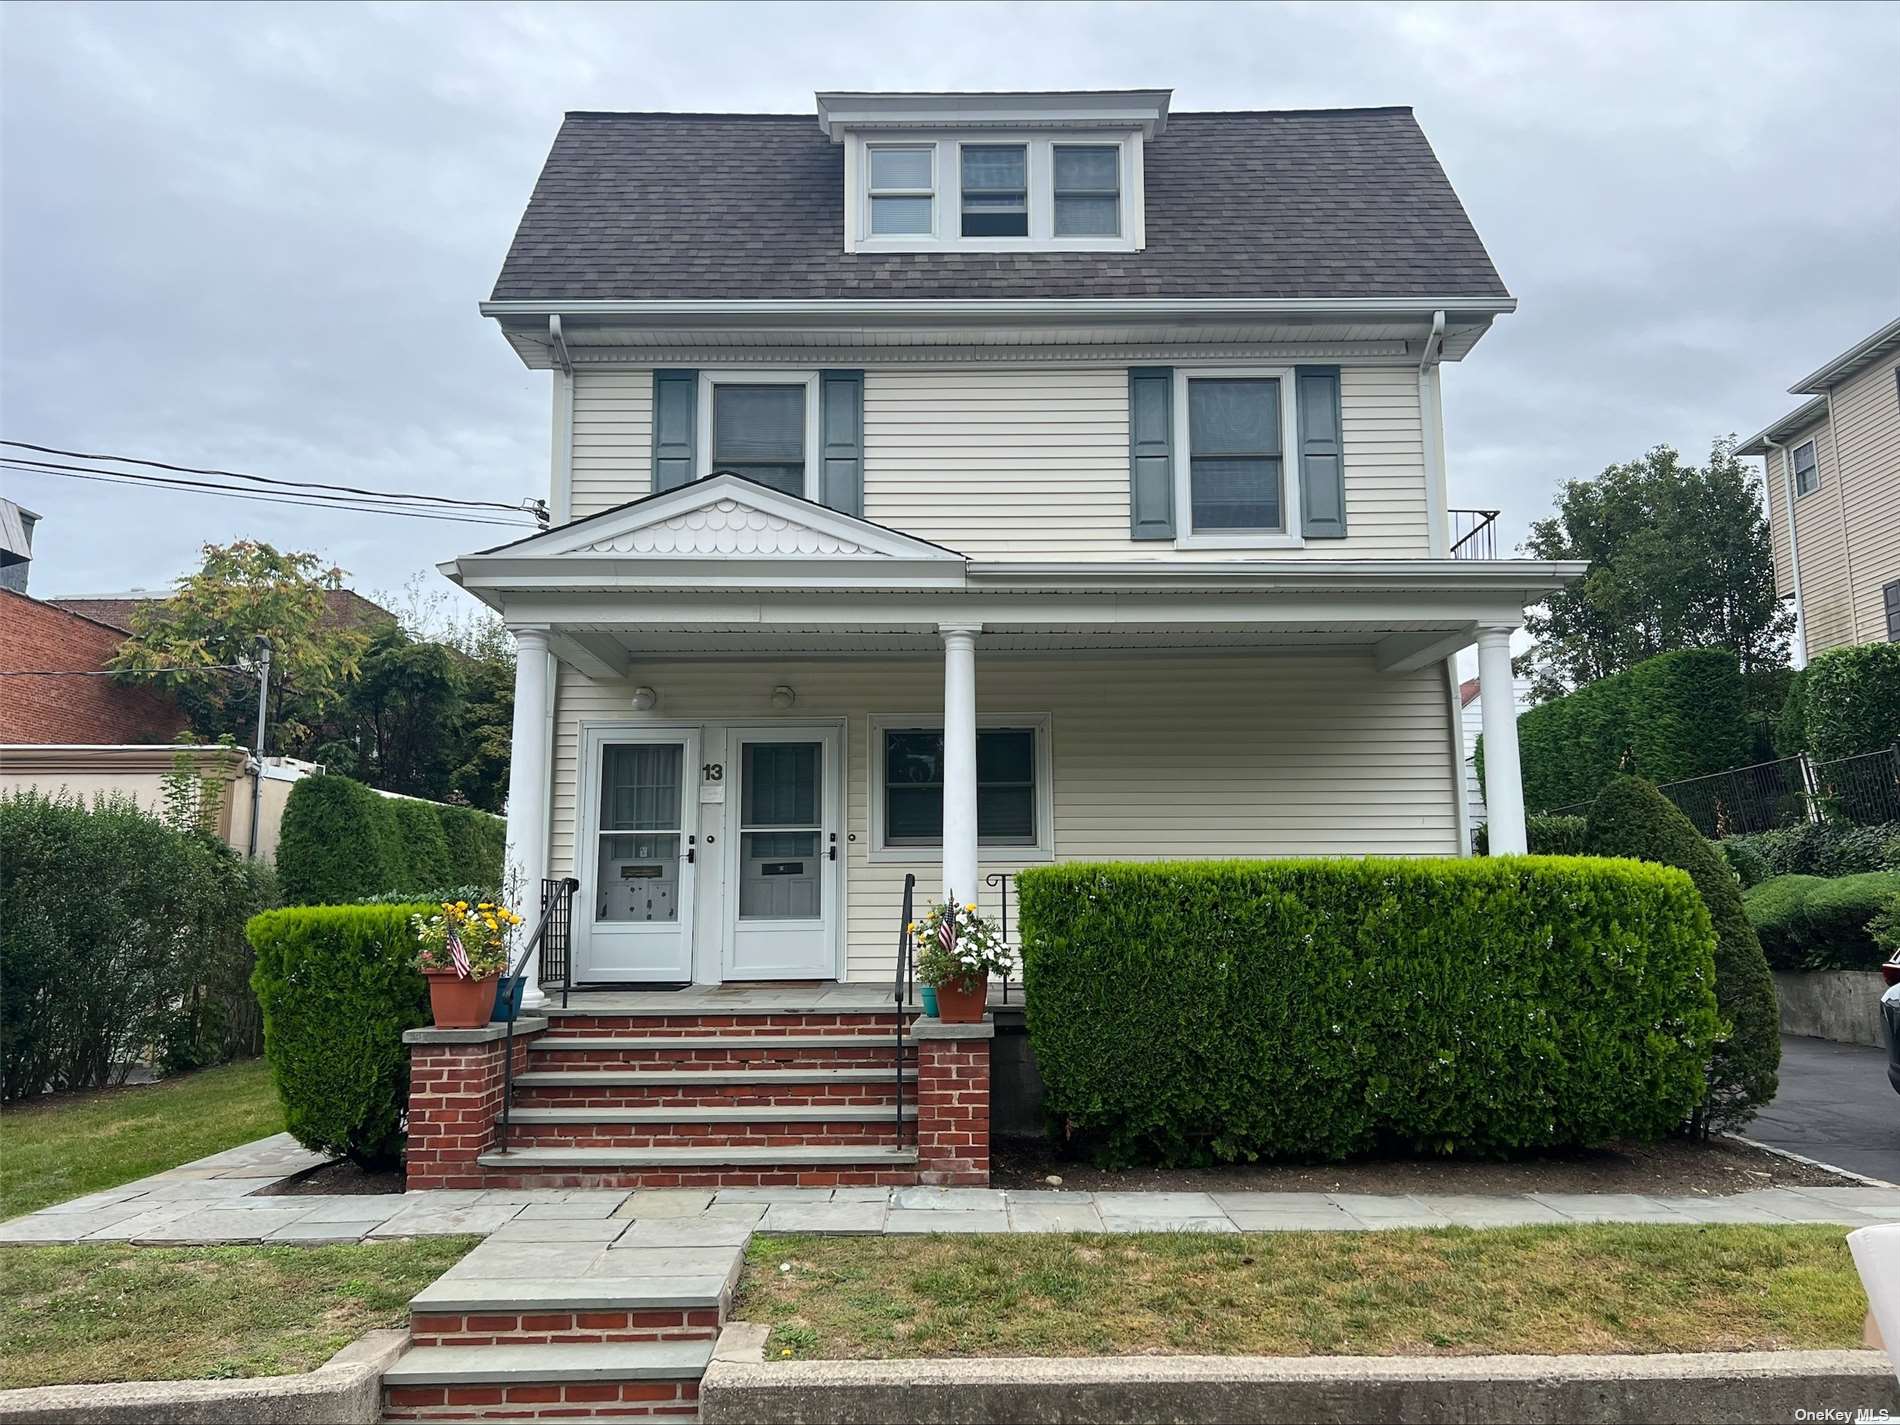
1023,172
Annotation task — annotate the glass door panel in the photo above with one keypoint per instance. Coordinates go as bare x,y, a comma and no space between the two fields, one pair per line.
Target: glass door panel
780,860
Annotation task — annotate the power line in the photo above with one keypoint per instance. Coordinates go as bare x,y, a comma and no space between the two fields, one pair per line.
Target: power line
260,479
21,462
124,672
308,502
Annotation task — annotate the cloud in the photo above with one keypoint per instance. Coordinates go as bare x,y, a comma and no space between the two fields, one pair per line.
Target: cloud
254,236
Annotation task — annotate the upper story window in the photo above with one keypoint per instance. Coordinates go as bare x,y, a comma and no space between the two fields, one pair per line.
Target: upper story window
1230,473
1807,473
1087,190
995,190
758,424
902,189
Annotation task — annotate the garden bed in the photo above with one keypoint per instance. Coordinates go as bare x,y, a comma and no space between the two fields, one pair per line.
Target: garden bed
1447,1292
87,1315
1671,1168
340,1178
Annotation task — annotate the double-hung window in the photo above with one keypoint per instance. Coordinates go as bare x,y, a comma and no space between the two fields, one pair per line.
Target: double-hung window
1087,190
1011,784
761,423
1236,455
995,186
903,190
1807,470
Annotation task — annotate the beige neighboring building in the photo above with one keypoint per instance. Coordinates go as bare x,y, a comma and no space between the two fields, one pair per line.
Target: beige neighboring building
1833,471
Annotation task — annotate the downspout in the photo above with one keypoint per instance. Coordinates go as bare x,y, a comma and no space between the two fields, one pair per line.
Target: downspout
1431,415
561,462
1799,653
1847,530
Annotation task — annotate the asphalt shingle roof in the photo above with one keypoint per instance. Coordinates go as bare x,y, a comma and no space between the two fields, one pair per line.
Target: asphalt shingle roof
1297,203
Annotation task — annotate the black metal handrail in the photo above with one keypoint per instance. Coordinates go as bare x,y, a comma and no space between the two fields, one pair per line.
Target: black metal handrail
555,896
1001,879
1475,534
901,988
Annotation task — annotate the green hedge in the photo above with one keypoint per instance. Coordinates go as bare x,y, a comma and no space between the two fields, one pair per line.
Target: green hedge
339,986
1545,834
343,841
122,937
1676,715
1631,818
1852,700
1821,922
1187,1012
1814,848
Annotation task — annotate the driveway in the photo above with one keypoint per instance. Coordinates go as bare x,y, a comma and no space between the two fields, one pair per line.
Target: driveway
1836,1105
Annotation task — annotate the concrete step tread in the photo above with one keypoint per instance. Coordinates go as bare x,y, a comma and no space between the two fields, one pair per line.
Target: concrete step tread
491,1295
801,1113
519,1158
722,1043
483,1365
673,1078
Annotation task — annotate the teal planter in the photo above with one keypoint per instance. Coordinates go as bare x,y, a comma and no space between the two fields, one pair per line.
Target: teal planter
508,997
930,1001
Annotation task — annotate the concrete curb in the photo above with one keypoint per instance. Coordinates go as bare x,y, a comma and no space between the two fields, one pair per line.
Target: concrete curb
1215,1390
347,1389
1860,1179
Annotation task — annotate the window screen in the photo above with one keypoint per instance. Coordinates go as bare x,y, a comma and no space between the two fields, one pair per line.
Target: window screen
1807,473
902,192
1234,454
1087,190
995,190
759,432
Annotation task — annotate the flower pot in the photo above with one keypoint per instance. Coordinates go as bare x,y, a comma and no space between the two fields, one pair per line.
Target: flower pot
929,993
963,1001
458,1003
508,997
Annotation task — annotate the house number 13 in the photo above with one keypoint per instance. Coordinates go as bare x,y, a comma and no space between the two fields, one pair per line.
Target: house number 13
713,771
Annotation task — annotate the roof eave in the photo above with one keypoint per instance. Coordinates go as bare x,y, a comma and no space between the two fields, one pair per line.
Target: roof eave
982,309
1849,361
1797,420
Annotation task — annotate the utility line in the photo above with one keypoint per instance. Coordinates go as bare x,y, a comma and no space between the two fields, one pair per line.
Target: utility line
308,502
260,479
49,467
124,672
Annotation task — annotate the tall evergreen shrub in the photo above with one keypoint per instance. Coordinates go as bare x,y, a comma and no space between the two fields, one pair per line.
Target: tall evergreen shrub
339,842
425,850
1631,818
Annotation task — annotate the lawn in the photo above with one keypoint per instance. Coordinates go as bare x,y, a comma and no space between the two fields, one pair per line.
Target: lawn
75,1315
1587,1288
61,1147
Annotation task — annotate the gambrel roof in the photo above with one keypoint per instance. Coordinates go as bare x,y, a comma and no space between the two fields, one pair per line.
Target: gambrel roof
1270,204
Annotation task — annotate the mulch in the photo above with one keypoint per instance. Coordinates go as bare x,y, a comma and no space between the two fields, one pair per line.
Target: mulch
339,1178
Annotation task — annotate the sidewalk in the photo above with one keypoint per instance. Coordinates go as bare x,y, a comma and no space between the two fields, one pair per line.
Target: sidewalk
210,1202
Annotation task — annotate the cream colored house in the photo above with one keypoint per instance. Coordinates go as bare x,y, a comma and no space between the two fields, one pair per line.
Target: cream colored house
1833,475
947,484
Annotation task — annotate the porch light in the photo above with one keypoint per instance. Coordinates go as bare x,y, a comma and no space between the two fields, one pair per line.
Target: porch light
783,697
644,699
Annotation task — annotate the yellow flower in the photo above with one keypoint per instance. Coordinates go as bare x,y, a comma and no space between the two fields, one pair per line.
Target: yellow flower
785,1352
971,907
461,905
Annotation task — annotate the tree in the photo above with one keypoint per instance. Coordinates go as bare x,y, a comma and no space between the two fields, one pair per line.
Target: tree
244,591
1679,558
398,714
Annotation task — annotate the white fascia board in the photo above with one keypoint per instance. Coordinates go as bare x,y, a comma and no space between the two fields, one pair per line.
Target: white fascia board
1544,576
1067,309
843,110
1860,354
612,572
1810,413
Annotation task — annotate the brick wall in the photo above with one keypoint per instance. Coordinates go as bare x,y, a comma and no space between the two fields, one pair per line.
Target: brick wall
455,1095
953,1112
36,636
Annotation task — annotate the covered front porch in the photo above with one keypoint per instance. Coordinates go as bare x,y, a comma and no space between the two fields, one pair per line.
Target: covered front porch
742,719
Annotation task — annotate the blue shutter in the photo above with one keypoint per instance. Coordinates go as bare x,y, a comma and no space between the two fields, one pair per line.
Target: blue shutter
841,431
1150,452
675,430
1322,457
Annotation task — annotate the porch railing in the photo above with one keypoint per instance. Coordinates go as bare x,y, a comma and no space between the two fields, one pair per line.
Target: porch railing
901,988
557,960
557,900
1474,534
1001,880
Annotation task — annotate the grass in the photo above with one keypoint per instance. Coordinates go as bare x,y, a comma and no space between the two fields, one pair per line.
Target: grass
81,1315
65,1146
1581,1289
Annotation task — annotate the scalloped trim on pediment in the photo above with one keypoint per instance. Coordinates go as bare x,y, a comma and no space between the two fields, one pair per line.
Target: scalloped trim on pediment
729,526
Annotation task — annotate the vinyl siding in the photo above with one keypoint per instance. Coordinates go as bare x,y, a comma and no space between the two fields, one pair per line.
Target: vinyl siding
1031,462
1269,755
1849,528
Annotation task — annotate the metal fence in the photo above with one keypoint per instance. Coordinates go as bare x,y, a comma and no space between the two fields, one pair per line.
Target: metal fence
1864,789
1474,534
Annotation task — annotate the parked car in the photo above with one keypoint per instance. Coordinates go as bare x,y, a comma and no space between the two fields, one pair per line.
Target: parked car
1890,1018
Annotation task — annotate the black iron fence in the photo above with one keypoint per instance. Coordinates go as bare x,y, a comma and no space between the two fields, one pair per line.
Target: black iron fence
1863,789
1474,534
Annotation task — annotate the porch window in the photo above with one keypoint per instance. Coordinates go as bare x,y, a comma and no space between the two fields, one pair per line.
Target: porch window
758,431
1006,786
1235,454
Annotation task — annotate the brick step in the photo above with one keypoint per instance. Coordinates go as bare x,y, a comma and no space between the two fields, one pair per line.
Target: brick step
685,1299
538,1134
698,1052
867,1165
719,1114
584,1022
659,1379
710,1088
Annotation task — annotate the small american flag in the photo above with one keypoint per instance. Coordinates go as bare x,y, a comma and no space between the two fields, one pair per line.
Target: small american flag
459,956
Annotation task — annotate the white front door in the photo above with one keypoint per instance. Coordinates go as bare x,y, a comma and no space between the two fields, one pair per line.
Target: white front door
637,855
784,862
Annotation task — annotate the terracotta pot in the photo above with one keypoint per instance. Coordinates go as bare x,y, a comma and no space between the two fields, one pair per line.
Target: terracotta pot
458,1003
963,1001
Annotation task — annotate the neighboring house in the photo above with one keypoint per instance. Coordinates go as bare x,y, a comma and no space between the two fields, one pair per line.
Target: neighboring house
1833,477
947,484
16,545
54,688
344,608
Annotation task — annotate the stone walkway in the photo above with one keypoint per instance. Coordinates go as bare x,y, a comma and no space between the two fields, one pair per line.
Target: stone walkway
210,1202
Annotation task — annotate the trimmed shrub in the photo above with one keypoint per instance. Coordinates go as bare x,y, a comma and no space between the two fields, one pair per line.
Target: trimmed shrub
1748,864
1631,818
424,849
1676,715
1821,848
1192,1012
339,842
122,936
1545,834
474,842
432,897
339,986
1852,698
1820,922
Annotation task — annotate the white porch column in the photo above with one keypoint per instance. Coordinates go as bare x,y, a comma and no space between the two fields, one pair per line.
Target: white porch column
528,788
959,760
1503,782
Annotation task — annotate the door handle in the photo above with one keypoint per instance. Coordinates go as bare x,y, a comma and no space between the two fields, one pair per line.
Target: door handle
831,852
690,855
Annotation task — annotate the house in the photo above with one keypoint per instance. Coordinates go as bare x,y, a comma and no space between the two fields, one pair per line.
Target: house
945,484
53,683
1832,467
343,608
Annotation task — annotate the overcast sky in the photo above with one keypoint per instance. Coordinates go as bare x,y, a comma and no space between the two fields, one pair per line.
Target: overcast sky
253,236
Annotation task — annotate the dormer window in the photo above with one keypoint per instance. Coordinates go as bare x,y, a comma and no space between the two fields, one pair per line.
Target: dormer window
1028,172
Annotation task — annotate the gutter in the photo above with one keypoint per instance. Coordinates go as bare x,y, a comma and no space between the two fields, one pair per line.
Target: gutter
1068,308
1432,433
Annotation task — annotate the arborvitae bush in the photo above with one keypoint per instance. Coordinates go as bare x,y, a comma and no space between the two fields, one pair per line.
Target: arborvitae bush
339,842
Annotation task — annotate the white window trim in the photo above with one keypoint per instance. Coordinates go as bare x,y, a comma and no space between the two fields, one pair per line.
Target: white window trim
760,376
1044,848
1287,538
1794,467
930,192
947,200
